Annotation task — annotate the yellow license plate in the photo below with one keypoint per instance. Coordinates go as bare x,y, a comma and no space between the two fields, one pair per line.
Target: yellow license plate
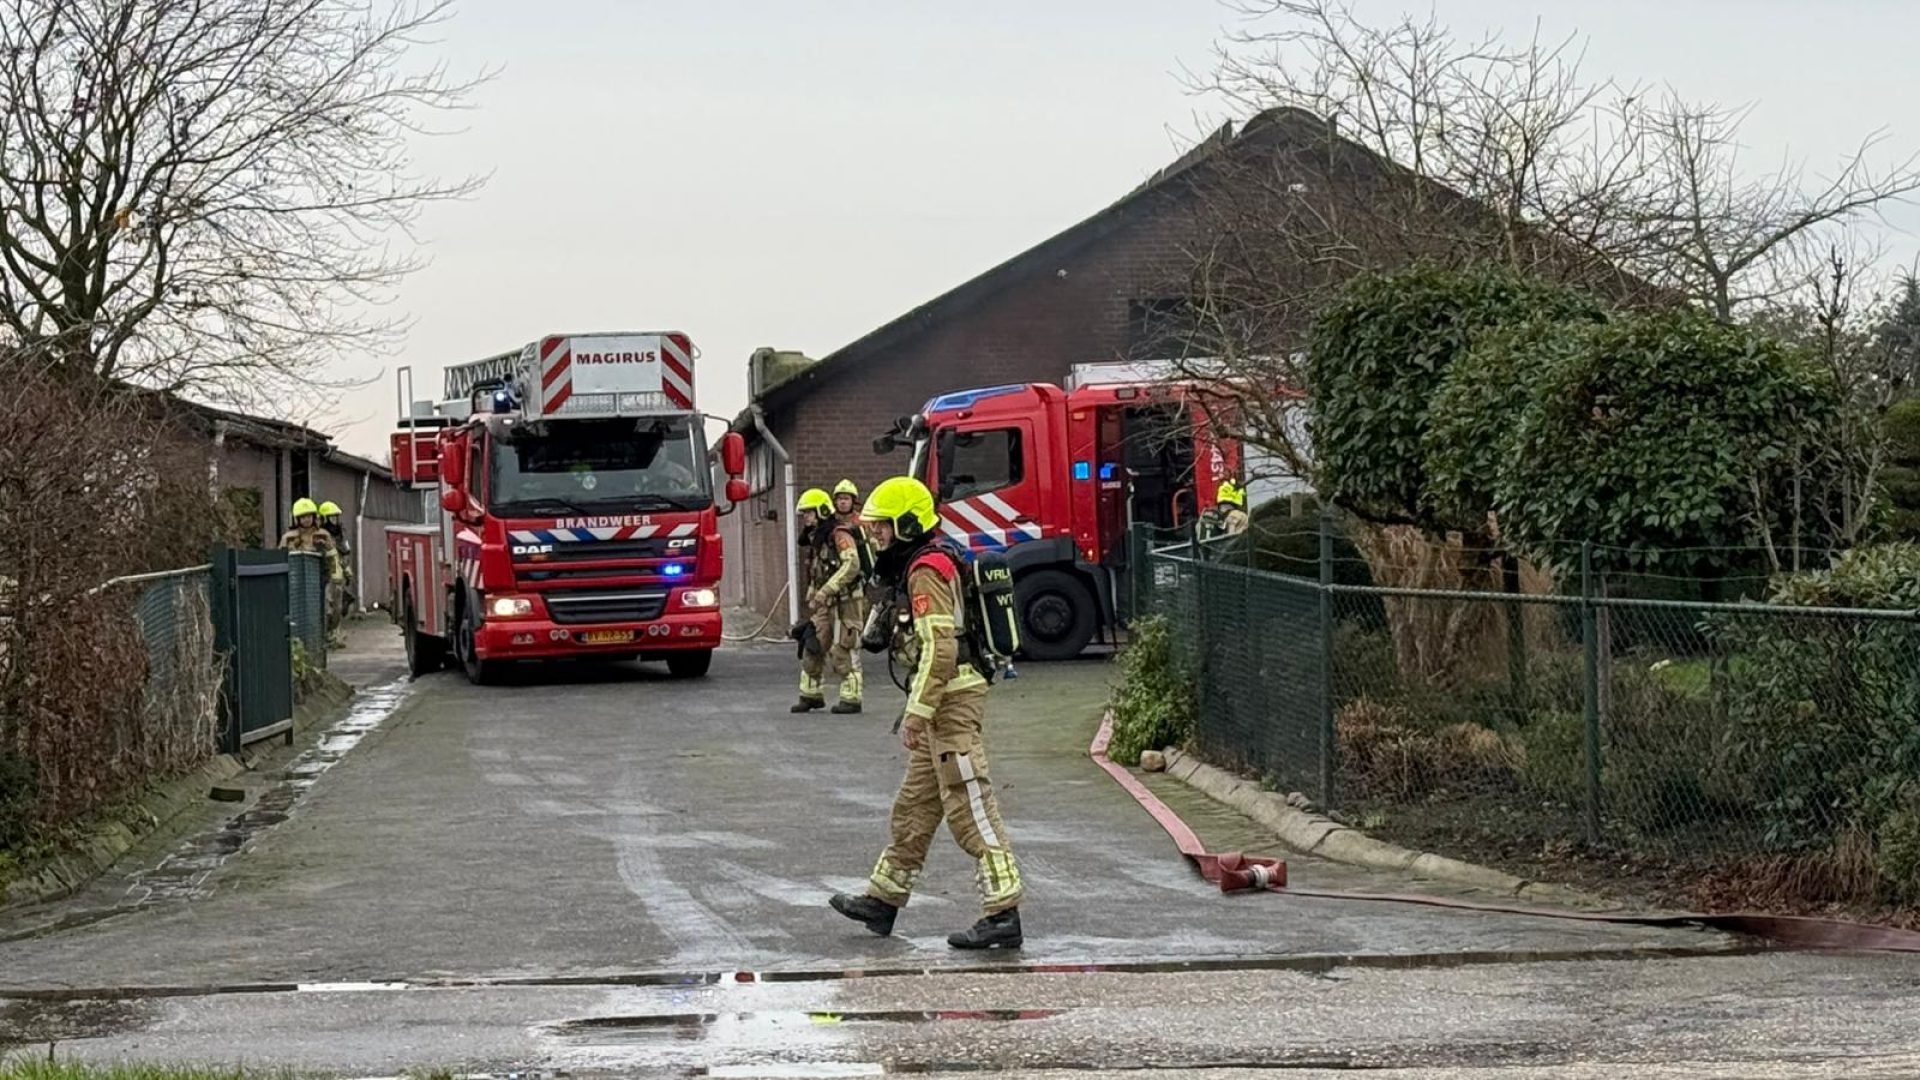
604,637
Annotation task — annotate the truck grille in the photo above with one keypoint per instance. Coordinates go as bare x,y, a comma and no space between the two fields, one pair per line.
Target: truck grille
580,551
623,605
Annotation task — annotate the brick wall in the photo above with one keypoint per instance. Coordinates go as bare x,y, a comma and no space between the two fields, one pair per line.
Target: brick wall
1032,330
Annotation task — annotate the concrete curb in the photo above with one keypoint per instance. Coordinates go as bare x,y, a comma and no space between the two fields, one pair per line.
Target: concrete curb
73,869
1313,834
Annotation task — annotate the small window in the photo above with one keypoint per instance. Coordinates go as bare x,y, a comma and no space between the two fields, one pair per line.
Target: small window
476,467
986,461
760,469
1159,328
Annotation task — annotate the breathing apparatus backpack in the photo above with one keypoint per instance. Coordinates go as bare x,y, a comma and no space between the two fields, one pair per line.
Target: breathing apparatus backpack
989,621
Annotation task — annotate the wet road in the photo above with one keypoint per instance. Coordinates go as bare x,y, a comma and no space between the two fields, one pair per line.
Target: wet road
589,828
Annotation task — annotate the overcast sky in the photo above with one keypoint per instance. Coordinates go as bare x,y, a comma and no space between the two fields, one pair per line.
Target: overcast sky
795,174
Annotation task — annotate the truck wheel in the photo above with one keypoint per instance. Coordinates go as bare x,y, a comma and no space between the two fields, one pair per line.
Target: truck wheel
479,672
1057,616
426,653
690,665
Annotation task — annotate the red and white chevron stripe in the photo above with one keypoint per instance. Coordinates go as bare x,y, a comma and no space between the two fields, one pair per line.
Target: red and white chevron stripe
676,369
989,516
556,374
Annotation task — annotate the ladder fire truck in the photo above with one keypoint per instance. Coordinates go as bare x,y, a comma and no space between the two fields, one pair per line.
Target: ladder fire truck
578,517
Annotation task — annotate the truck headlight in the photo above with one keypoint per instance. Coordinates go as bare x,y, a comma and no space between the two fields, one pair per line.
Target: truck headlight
700,598
510,607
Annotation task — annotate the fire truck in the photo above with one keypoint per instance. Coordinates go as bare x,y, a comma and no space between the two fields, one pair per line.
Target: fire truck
1055,477
577,510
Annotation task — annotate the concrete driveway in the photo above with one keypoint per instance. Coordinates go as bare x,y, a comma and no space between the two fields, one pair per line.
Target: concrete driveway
603,842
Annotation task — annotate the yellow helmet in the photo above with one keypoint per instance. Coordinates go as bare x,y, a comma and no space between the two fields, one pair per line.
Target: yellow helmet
303,507
816,500
847,487
904,502
329,509
1231,492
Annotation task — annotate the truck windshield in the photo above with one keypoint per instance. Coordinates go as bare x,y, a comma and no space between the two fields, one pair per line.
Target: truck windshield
603,465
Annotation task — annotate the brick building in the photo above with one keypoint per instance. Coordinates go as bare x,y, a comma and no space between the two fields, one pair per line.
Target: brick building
1100,290
259,466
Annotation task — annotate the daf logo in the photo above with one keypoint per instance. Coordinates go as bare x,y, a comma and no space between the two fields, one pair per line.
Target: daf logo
532,549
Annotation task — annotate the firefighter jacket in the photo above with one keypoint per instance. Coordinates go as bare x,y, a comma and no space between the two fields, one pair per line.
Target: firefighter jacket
934,600
316,541
833,562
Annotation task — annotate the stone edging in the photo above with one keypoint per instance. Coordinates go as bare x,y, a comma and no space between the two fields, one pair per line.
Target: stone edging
1314,834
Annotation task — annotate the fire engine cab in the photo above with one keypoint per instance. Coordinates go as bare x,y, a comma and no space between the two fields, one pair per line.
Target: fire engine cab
577,512
1055,477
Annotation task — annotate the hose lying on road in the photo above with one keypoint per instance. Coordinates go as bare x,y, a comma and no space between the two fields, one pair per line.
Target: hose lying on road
780,597
1791,930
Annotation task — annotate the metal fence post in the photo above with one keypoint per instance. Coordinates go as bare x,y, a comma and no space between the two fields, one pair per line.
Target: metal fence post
1590,635
1328,745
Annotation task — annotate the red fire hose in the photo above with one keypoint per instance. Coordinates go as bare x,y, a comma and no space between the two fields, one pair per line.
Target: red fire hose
1235,872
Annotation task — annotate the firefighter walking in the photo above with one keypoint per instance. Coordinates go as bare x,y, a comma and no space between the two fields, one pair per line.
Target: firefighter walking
947,772
828,638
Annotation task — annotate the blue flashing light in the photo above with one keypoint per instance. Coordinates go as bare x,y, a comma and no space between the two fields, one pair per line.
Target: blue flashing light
503,400
1082,470
673,569
966,399
1106,470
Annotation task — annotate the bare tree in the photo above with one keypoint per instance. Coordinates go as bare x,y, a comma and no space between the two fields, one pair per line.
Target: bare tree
1840,317
210,193
1368,146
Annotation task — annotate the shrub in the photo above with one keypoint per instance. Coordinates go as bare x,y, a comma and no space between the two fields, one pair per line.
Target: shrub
1153,706
18,791
1555,745
1653,434
1823,708
1385,754
1376,359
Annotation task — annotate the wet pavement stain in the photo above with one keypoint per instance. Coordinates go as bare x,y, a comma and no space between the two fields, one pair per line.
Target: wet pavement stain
183,874
36,1023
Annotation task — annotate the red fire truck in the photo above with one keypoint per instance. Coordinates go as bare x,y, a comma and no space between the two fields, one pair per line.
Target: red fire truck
1055,477
578,516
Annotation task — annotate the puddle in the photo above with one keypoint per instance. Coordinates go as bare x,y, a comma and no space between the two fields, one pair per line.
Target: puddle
183,873
772,1043
680,1024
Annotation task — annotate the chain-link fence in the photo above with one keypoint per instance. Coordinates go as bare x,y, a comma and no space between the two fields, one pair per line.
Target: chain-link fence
1714,752
308,600
182,694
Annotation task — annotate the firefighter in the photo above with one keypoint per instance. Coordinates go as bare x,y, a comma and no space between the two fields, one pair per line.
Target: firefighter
846,500
947,774
338,594
308,535
830,557
1228,514
306,532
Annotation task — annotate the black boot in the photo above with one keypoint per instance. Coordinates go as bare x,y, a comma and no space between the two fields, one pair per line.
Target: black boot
1000,931
808,704
845,708
876,915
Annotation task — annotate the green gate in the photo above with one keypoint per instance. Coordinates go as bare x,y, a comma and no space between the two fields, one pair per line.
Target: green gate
253,630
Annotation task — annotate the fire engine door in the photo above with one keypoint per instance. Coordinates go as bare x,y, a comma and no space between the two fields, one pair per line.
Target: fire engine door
988,486
1158,449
